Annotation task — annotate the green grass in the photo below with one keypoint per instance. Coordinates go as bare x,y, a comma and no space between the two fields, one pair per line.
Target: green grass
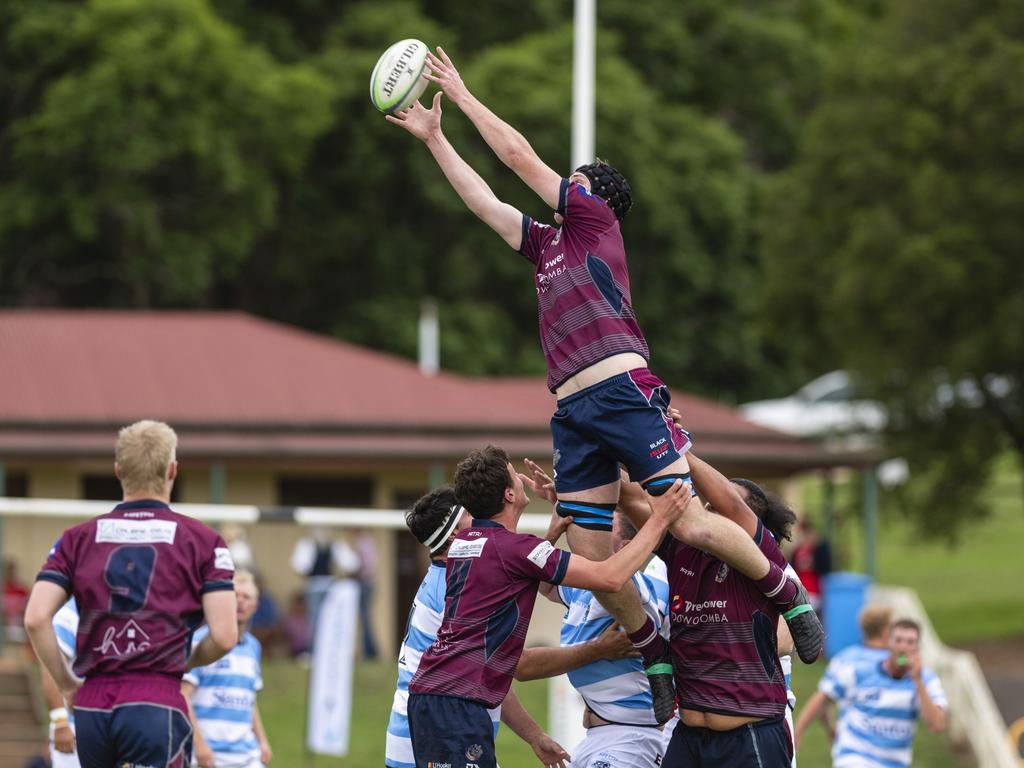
283,702
971,591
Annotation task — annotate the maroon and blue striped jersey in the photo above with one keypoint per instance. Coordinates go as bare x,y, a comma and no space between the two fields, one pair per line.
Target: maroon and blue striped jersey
492,575
138,575
724,648
584,305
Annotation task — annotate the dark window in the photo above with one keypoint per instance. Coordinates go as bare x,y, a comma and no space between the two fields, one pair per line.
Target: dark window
411,562
16,485
325,491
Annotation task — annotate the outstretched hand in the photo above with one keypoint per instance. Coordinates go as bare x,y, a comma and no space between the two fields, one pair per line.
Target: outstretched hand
418,120
549,752
539,481
443,72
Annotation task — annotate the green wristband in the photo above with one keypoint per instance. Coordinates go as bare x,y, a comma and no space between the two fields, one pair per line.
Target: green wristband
659,669
794,612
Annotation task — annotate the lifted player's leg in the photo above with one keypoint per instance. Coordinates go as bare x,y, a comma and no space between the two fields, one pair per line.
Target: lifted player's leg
728,542
590,537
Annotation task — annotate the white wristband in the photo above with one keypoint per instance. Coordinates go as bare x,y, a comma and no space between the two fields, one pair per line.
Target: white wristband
59,714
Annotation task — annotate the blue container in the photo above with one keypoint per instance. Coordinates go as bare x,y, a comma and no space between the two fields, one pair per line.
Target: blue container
843,595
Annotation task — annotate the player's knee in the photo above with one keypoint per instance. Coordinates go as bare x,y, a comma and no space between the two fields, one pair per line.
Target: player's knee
656,486
692,529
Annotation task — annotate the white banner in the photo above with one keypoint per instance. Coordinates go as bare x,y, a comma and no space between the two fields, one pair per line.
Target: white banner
330,678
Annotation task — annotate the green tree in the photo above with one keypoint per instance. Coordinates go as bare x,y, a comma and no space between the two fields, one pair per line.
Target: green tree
144,157
893,246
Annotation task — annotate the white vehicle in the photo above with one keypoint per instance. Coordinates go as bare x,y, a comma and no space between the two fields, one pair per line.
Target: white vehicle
828,406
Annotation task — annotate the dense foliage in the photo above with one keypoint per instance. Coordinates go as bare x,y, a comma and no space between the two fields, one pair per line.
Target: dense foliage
819,183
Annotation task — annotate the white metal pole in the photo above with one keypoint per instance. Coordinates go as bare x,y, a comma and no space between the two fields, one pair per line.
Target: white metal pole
583,83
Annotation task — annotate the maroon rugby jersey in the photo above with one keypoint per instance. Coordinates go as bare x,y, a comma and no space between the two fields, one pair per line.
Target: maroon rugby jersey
583,300
138,575
492,576
724,649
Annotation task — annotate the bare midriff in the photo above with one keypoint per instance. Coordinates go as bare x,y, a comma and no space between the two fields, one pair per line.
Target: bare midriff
714,721
599,371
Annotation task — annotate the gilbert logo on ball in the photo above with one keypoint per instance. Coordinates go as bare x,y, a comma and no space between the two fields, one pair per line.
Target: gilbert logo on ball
397,79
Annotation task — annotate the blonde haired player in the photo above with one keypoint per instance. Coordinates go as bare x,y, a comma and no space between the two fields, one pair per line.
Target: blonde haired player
226,726
143,577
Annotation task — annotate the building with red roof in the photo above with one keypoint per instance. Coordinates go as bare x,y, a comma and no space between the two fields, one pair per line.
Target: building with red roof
271,415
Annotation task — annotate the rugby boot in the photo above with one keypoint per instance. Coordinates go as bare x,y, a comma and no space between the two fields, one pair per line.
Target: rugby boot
804,626
663,692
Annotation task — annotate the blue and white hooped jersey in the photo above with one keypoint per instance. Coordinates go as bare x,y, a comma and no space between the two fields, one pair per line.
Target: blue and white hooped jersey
424,622
616,691
224,700
878,713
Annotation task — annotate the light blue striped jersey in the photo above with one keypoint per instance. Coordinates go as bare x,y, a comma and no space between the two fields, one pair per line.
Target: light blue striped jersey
616,691
853,655
878,713
424,622
65,626
224,700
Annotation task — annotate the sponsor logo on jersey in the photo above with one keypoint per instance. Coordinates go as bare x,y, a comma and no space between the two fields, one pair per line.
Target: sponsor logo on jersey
540,553
222,559
135,531
463,548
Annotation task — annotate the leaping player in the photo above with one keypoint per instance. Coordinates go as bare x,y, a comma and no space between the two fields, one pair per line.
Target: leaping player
611,408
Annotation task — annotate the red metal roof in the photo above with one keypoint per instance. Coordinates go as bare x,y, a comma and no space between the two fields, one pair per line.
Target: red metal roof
230,382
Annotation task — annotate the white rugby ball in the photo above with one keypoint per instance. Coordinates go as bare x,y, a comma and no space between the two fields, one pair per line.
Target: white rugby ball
397,79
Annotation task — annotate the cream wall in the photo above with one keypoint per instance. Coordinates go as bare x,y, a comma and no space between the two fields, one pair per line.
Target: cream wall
27,541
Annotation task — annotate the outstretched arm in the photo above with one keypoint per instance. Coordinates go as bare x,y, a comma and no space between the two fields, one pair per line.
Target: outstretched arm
425,125
540,663
508,144
612,574
721,494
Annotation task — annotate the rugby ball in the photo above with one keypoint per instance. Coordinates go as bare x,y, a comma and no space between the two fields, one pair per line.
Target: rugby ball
397,79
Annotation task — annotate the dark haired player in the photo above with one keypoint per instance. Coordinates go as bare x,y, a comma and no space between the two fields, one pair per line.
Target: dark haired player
732,689
492,576
143,578
611,409
435,519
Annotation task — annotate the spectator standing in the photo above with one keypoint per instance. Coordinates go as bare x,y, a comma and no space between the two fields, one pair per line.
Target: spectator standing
321,558
15,597
366,549
812,561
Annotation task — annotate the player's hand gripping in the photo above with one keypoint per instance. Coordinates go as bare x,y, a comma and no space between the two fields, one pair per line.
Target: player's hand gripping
671,505
614,644
549,751
443,72
418,120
